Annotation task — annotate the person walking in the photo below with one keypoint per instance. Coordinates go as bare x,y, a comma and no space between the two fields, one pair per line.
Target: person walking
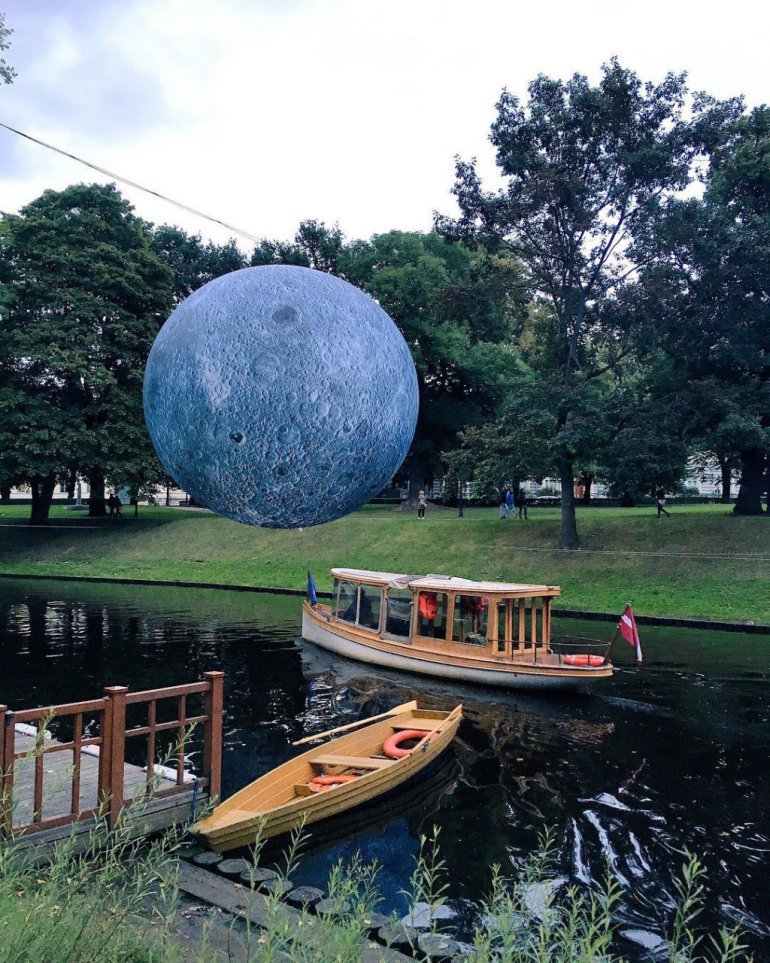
521,502
118,505
660,502
111,503
503,507
509,504
422,504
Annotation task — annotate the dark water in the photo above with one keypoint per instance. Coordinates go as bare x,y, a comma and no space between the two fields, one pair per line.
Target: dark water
659,759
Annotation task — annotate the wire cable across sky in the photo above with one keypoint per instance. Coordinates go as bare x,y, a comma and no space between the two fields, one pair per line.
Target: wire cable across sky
126,180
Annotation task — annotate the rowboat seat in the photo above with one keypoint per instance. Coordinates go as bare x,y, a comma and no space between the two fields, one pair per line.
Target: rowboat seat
416,723
351,762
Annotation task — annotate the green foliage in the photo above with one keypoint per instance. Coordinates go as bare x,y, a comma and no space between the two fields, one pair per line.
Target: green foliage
458,310
7,73
192,262
83,300
708,283
585,167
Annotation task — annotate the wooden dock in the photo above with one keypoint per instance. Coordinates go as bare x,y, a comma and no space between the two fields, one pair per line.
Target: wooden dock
77,781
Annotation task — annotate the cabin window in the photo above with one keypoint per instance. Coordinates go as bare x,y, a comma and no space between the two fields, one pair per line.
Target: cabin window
432,612
347,601
399,613
369,606
470,619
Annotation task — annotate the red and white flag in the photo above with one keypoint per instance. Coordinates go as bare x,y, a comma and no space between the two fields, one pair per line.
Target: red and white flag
627,627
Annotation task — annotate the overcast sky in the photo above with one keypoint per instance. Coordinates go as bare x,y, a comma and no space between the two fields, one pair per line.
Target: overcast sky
267,112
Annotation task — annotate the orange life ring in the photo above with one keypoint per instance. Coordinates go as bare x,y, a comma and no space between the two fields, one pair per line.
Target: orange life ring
391,745
324,783
584,660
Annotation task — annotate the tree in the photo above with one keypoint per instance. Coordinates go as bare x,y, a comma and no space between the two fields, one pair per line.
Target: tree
7,73
584,167
84,299
315,246
191,262
711,276
458,310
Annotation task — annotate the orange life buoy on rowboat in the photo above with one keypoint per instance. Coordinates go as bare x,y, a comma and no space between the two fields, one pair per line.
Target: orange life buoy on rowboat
323,783
584,660
391,746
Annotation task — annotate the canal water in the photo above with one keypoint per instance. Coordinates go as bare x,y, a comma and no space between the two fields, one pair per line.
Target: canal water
660,759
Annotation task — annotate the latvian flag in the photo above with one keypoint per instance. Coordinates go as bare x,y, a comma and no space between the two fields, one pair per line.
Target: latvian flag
627,626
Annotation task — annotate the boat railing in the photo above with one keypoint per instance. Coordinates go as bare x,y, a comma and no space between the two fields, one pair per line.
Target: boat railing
561,647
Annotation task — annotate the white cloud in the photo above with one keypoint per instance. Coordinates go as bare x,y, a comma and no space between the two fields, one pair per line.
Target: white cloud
267,113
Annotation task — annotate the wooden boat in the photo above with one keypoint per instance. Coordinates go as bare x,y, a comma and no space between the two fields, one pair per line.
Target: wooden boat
348,771
494,633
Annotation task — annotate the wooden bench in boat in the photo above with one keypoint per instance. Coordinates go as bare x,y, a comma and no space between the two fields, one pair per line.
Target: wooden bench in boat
351,762
417,723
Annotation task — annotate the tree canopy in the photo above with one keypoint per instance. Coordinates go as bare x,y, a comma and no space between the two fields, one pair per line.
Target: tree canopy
586,169
84,297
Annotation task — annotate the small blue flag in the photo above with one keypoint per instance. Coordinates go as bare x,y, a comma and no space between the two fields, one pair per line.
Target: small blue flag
311,590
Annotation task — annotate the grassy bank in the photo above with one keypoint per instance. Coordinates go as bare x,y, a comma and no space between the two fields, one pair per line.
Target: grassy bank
701,562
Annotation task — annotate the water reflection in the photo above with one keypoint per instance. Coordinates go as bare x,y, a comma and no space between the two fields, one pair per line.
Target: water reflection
659,759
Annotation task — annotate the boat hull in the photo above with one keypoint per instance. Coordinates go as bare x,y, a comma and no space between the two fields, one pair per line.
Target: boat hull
324,634
240,828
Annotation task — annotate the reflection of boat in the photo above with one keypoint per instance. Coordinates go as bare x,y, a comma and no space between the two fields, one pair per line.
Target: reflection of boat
493,633
348,771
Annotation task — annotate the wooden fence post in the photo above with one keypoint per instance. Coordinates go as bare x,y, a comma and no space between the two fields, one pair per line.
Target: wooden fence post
113,754
212,736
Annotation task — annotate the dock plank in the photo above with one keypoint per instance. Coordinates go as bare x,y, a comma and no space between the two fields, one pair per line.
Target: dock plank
148,814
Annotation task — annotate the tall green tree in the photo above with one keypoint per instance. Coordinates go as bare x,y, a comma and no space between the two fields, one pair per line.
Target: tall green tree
710,285
83,300
584,166
458,310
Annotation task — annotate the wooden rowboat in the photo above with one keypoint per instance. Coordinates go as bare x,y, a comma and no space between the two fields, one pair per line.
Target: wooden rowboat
281,799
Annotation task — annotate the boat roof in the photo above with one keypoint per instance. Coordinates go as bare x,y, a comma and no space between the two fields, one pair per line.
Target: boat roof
440,583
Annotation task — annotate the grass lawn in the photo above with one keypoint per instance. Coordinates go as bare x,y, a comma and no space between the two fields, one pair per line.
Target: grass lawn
701,562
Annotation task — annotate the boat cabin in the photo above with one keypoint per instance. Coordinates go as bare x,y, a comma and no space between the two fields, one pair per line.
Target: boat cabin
497,620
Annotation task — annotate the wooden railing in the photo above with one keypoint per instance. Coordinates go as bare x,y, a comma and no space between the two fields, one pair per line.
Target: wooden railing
109,716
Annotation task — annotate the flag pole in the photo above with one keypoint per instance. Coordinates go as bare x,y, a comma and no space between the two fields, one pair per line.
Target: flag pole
608,653
609,647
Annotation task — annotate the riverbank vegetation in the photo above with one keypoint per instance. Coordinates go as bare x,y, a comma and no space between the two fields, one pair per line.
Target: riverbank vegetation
701,562
122,903
600,318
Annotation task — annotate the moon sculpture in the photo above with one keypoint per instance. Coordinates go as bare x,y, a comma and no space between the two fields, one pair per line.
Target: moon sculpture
280,396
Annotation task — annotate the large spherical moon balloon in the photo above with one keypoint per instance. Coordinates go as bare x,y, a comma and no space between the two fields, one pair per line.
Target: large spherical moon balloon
280,396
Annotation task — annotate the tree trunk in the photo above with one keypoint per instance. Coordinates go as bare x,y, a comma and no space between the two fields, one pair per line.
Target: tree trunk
71,482
97,507
749,500
569,535
42,496
586,480
5,494
727,481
